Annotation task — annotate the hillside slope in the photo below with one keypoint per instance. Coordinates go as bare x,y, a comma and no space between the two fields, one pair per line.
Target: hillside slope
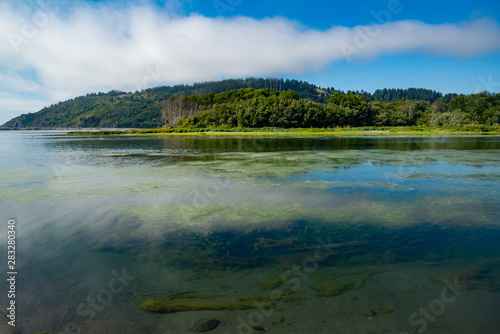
117,109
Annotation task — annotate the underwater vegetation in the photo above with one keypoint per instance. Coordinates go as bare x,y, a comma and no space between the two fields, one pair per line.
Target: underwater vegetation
271,281
280,199
482,276
194,301
335,281
221,249
171,306
224,249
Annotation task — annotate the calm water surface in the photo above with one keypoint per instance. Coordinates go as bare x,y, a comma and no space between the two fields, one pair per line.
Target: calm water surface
291,235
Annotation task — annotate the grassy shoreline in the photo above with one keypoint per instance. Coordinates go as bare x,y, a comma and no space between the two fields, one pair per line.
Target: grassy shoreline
378,131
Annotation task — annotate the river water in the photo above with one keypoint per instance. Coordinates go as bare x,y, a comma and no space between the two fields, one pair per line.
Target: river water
148,234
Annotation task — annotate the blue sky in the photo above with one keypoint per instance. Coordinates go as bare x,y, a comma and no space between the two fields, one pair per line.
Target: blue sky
53,50
324,14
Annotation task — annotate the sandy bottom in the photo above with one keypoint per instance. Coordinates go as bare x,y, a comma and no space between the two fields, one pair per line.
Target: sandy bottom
56,306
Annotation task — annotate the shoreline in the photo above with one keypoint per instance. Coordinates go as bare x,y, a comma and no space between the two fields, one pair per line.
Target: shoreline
291,132
339,132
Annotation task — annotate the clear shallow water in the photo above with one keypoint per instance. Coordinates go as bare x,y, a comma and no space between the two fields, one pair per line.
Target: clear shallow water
243,217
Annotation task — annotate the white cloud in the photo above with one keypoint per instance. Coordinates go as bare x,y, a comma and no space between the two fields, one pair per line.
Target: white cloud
12,105
17,102
12,81
137,47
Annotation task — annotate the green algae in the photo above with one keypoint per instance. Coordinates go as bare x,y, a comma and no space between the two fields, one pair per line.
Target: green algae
172,306
175,303
207,211
271,281
198,301
264,195
222,249
240,166
336,281
274,278
252,171
251,165
385,310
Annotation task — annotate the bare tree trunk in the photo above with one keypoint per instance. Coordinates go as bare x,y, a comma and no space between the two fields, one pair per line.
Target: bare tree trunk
178,108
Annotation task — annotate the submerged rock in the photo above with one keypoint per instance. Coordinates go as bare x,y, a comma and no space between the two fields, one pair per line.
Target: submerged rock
258,327
204,325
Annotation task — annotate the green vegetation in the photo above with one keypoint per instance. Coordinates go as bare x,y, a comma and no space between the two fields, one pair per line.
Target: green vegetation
259,103
333,282
271,281
220,251
270,131
266,108
171,306
235,242
202,301
117,109
413,94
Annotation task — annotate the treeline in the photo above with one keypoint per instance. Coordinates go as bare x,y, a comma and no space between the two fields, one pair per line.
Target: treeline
117,109
271,108
412,94
303,88
236,98
389,95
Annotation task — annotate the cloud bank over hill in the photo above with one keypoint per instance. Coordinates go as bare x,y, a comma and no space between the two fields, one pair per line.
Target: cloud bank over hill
58,55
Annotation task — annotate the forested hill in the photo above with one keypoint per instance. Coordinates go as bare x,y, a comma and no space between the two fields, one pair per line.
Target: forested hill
143,109
412,94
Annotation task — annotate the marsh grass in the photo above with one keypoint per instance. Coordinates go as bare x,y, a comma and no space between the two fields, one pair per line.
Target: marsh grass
414,130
